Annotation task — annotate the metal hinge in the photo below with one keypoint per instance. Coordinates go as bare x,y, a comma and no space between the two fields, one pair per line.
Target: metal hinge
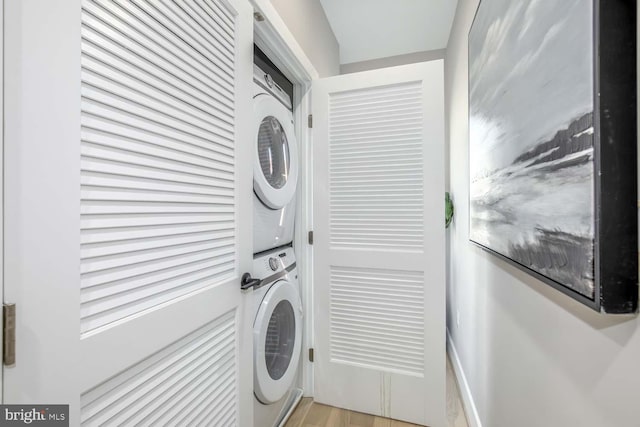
9,334
310,121
311,355
311,237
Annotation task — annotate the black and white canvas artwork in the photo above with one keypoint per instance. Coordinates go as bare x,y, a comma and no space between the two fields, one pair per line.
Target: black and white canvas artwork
532,130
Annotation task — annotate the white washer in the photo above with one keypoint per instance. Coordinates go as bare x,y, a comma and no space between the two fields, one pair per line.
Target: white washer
277,337
275,169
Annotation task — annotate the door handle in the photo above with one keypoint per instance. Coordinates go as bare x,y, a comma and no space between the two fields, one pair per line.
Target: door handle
247,282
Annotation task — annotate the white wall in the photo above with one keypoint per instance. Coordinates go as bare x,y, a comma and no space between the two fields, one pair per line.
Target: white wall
309,25
532,356
392,61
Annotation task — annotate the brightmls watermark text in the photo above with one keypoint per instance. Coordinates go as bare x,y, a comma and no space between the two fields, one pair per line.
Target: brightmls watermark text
34,415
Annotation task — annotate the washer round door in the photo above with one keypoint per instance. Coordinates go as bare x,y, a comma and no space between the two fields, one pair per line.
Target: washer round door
277,336
275,171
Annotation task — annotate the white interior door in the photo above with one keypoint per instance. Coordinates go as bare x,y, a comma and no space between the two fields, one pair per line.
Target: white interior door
379,268
128,208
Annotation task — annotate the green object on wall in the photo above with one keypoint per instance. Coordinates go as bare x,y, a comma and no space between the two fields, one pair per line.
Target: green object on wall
448,209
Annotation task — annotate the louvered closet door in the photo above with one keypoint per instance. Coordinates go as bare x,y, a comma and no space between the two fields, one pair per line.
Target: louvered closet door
129,205
379,284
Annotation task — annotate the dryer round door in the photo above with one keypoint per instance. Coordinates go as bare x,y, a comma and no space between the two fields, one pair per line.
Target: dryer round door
277,339
275,171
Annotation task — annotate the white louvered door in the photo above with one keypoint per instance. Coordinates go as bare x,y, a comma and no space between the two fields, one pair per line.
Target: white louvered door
128,184
379,285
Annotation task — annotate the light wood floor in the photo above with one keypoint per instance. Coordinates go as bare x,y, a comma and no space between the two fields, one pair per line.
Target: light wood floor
311,414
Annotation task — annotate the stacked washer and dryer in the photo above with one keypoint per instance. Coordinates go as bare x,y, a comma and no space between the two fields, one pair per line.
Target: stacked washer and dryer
277,328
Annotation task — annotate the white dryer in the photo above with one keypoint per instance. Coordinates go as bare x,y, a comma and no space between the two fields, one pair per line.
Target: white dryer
277,337
275,170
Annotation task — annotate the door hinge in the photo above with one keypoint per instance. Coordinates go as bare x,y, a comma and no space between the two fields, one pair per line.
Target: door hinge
310,121
311,355
9,334
311,237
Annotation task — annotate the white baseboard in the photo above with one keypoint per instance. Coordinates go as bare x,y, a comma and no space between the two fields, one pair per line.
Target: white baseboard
465,392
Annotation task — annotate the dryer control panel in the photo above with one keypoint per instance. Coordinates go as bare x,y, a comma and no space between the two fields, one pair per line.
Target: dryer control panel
265,81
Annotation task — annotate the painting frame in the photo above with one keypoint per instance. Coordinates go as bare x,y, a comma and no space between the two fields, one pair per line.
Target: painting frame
615,244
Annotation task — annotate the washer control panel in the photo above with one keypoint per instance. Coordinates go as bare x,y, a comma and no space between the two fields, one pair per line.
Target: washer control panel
270,263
